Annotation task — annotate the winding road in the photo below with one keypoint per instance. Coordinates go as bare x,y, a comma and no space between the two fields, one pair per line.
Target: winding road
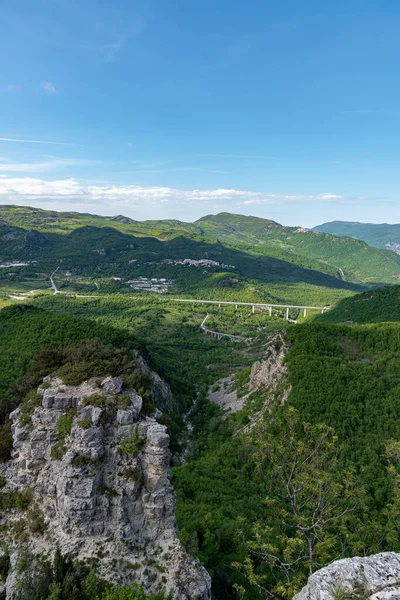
53,285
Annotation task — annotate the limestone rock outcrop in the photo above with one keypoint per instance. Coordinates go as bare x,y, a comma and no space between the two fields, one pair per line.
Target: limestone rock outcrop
97,474
374,577
271,370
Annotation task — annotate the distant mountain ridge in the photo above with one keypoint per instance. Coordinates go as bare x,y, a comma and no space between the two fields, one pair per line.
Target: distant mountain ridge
379,235
251,244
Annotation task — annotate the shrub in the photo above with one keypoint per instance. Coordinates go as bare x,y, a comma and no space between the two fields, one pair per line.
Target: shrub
133,443
82,461
4,564
108,492
16,500
123,401
6,441
64,424
57,451
85,423
133,473
30,402
98,400
36,520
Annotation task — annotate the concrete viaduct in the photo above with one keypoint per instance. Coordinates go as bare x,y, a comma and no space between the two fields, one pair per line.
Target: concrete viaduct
219,335
255,305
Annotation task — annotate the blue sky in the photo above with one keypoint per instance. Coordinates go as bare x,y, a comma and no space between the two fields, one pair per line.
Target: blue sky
179,108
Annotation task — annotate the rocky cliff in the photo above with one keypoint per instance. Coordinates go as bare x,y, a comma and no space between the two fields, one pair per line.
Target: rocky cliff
268,374
90,474
374,577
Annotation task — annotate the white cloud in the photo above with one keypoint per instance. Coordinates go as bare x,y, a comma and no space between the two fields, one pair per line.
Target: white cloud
330,197
46,165
49,88
73,190
30,188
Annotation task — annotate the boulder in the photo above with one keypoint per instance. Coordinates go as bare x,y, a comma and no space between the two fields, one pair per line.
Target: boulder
375,577
112,385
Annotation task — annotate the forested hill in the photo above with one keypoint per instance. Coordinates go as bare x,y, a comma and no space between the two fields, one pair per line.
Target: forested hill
33,232
382,235
374,306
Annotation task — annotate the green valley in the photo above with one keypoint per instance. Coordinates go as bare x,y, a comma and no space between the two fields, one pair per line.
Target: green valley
324,387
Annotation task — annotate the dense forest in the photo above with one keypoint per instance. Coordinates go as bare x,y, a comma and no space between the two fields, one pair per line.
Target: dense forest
344,400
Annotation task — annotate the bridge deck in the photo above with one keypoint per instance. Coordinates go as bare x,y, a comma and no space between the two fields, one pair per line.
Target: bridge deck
252,304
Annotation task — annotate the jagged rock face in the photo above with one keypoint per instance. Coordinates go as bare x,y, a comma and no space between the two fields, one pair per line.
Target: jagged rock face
271,370
374,577
266,374
99,472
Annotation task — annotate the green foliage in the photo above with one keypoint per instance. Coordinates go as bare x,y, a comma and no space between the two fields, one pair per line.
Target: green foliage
349,378
375,306
30,402
99,400
80,461
4,564
36,520
108,492
314,504
392,511
25,331
214,488
133,443
133,473
64,424
123,401
85,423
16,500
68,580
57,451
241,380
6,440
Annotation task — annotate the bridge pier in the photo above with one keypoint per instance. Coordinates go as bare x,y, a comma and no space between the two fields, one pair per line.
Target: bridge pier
270,311
252,309
236,306
305,312
287,314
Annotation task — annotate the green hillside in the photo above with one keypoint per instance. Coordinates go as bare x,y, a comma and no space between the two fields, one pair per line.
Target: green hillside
352,260
382,235
66,234
374,306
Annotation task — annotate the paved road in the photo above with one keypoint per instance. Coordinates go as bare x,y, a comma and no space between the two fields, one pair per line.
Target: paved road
53,285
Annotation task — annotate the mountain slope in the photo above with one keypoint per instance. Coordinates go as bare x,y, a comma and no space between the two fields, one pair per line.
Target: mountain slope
382,235
374,306
353,259
81,235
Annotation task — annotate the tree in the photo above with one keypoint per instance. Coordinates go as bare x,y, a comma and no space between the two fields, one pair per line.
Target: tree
392,511
309,504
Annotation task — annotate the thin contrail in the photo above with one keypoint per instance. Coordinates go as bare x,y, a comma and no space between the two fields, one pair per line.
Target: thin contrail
5,139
